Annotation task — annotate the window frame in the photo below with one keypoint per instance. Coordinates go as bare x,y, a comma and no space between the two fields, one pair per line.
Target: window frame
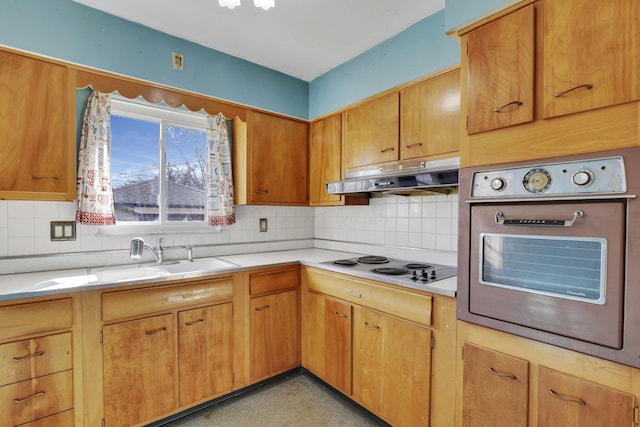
165,116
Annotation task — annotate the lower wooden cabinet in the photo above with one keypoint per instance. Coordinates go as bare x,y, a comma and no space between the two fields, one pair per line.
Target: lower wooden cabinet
326,340
205,352
273,334
139,374
367,350
495,389
564,400
392,368
512,381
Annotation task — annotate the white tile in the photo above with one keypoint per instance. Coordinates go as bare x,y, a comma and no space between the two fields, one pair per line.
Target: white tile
20,209
18,246
20,226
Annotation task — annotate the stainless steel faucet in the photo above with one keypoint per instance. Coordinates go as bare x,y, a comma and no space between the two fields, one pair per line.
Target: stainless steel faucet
137,249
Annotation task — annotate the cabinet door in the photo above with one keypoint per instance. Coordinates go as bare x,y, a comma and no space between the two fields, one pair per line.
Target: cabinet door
325,159
501,72
139,377
279,156
274,336
372,132
591,54
566,401
205,344
36,145
495,390
327,340
430,117
392,368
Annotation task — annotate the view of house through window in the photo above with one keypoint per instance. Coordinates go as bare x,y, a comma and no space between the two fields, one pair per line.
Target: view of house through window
158,161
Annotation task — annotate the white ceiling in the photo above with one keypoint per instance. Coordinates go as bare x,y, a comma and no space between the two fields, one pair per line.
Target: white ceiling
302,38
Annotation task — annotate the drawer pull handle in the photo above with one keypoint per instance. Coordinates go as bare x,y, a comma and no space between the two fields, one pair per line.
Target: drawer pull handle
175,298
499,109
567,398
262,191
384,150
355,294
502,374
371,325
341,314
28,356
416,144
564,92
193,322
264,307
45,178
155,331
38,394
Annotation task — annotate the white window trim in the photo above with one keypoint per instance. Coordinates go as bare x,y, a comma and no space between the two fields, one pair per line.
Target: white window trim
163,115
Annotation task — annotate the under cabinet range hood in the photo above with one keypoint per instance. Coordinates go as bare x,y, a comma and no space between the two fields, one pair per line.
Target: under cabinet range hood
437,176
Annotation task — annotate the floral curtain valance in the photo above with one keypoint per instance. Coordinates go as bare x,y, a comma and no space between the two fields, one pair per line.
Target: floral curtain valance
94,193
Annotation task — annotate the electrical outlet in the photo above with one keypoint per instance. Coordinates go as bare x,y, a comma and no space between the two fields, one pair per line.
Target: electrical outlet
63,230
264,225
178,60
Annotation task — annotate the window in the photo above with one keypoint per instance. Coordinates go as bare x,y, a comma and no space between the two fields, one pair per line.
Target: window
158,164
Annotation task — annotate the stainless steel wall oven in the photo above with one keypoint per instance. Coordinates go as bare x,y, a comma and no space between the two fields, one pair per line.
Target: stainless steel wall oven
549,250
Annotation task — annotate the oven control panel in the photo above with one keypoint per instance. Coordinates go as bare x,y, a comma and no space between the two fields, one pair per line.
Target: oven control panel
591,176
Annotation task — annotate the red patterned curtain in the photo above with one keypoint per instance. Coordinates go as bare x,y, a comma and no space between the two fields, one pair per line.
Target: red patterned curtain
94,192
220,207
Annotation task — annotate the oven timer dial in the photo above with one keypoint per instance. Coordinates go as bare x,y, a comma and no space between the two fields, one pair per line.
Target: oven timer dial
583,178
537,180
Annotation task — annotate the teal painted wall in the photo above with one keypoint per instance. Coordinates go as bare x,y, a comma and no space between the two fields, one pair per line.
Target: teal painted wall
460,12
420,50
72,32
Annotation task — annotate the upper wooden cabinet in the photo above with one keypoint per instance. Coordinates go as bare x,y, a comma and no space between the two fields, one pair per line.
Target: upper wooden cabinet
500,58
37,144
325,146
270,161
371,136
591,54
401,127
430,117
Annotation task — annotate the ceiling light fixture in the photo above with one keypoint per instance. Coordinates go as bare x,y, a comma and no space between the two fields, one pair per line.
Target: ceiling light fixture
264,4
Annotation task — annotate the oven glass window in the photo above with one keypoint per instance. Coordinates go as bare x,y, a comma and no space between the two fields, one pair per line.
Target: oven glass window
565,267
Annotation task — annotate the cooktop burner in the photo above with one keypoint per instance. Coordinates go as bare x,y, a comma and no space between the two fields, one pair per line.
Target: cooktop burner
373,259
394,271
400,272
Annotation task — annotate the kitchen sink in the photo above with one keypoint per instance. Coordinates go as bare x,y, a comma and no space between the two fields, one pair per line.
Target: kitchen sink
124,273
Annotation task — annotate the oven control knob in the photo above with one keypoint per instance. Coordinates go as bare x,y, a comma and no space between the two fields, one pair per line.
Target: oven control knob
583,178
498,184
414,275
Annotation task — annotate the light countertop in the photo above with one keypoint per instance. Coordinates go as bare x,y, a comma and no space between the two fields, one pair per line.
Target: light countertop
22,285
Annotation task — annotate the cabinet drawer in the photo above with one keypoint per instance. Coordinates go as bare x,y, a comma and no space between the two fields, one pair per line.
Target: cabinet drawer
408,305
121,304
32,399
22,360
63,419
273,281
26,319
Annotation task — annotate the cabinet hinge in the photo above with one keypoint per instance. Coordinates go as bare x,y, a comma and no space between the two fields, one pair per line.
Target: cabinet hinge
433,342
636,416
101,337
233,378
462,353
466,123
104,423
467,48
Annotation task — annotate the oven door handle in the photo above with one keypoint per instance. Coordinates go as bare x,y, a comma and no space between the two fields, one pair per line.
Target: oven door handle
539,222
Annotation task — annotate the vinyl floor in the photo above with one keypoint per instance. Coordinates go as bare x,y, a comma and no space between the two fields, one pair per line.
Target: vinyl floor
298,400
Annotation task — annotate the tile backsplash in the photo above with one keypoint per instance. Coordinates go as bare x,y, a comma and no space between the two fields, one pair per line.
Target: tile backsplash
415,222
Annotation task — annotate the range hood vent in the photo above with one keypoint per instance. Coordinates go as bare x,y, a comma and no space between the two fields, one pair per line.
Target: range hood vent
438,176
